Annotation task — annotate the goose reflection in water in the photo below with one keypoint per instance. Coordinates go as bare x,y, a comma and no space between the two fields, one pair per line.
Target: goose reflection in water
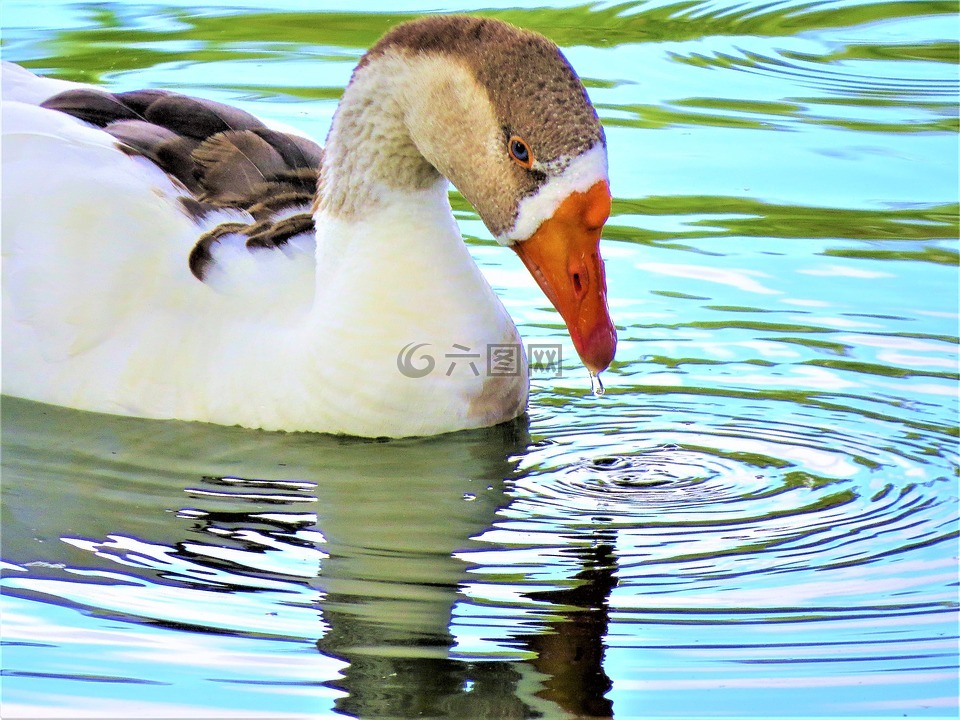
392,579
219,517
398,649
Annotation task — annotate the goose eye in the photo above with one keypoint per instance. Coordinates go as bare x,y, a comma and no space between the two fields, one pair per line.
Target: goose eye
520,152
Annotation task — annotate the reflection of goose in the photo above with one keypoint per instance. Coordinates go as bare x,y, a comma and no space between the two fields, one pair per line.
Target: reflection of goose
176,261
240,557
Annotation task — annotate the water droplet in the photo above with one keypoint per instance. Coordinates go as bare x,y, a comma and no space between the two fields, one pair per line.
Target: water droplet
596,384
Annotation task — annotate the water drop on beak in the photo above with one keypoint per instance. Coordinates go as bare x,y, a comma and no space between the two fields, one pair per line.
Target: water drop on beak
596,384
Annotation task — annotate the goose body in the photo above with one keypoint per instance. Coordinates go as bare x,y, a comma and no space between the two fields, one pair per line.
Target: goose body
159,265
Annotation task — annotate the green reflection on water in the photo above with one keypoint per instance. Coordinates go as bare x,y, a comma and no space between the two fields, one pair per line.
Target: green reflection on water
661,116
251,35
945,52
940,256
748,217
877,369
832,347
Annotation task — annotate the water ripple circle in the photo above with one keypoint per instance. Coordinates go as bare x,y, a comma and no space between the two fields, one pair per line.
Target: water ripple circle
687,486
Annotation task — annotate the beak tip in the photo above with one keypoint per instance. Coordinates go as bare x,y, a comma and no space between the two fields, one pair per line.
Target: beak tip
598,349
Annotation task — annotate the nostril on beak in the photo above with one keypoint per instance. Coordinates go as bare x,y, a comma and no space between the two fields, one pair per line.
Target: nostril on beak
577,284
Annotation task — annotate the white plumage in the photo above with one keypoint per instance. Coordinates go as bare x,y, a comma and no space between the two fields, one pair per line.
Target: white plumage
102,312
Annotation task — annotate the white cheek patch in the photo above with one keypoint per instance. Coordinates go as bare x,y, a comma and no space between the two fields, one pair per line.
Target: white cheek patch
581,174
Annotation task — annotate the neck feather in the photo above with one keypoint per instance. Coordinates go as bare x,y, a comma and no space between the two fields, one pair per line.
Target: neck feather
370,156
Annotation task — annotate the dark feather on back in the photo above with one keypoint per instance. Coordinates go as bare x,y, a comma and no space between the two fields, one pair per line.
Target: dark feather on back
223,156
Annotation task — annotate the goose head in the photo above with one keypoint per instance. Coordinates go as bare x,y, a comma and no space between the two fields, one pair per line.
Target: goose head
500,113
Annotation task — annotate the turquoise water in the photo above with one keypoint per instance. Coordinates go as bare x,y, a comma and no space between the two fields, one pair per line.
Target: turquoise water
759,517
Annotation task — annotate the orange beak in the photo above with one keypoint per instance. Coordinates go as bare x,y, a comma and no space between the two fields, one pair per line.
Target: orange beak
563,256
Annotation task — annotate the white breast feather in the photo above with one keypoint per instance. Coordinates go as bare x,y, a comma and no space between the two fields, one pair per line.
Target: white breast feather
101,311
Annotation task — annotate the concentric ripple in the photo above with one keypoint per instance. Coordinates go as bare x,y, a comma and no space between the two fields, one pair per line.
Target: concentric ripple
695,497
728,552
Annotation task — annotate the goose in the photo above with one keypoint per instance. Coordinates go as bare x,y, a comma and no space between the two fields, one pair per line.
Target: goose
171,257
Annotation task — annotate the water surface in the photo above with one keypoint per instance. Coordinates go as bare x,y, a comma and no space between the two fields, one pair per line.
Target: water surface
758,518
